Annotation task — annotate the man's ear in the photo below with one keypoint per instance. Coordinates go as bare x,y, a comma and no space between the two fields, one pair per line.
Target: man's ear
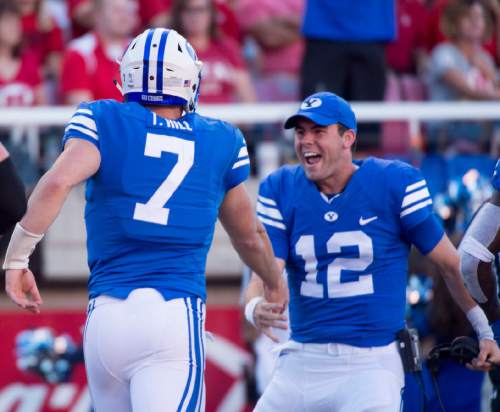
349,138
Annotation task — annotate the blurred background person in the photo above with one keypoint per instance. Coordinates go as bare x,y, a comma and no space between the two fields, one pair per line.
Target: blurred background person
461,69
225,76
152,13
406,60
275,27
42,35
20,79
91,60
345,52
435,34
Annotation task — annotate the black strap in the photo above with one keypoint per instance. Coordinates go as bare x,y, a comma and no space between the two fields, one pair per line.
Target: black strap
12,196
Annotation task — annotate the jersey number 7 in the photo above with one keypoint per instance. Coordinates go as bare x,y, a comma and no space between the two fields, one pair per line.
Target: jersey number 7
153,211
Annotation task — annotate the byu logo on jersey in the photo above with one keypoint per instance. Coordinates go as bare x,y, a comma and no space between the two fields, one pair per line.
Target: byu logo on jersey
311,103
331,216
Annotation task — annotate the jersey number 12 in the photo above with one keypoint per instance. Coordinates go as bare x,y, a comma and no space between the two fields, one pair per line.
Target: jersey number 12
335,288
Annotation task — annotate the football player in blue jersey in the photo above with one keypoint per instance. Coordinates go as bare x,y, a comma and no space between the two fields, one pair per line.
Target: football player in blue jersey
343,230
478,252
158,176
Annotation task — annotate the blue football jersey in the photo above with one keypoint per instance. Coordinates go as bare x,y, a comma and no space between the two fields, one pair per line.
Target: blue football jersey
495,180
346,256
152,206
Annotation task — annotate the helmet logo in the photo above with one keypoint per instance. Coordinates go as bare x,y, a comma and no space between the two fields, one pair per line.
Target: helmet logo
311,103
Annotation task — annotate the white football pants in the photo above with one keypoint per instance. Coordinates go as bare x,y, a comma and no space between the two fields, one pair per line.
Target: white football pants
335,378
145,354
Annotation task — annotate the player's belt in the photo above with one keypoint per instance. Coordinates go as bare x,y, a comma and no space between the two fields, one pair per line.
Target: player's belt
334,349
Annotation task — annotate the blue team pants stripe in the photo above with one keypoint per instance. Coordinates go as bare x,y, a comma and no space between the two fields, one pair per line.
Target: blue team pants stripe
159,63
202,332
193,402
145,72
186,388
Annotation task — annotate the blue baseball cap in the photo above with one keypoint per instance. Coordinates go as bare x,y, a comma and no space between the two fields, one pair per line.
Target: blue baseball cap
324,109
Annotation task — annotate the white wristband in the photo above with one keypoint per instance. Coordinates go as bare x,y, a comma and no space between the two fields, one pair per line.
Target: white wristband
21,246
479,323
250,309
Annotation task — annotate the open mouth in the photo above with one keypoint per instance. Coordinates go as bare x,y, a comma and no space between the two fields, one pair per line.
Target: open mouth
311,158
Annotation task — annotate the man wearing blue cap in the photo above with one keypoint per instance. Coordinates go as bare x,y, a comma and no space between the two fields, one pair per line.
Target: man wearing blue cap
343,230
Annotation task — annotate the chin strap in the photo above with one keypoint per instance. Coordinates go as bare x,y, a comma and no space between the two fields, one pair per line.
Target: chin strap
118,86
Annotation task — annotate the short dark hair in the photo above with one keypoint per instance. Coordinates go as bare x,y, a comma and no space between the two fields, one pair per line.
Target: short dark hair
342,129
455,11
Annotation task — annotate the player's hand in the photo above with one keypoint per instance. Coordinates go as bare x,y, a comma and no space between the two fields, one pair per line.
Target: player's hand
268,315
21,287
489,354
277,295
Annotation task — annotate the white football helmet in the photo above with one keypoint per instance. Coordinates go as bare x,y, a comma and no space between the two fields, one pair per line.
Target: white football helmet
160,67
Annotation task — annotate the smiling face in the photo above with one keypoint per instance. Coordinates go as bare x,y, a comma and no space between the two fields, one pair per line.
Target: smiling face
324,153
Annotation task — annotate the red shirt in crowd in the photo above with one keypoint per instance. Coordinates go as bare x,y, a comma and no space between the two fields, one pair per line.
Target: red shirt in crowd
21,89
228,22
412,18
286,59
220,59
149,9
436,36
39,42
88,66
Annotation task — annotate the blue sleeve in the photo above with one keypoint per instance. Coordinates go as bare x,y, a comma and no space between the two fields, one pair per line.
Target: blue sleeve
426,235
239,170
82,125
495,180
271,215
410,196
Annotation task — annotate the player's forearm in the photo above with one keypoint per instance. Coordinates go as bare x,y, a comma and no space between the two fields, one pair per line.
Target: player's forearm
257,253
45,203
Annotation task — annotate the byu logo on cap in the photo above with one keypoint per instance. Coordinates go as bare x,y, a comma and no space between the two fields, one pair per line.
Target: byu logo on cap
311,103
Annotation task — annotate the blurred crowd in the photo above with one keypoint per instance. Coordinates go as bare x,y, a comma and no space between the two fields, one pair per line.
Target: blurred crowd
64,52
59,52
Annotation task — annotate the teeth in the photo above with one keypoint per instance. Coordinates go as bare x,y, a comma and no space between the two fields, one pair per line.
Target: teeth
310,154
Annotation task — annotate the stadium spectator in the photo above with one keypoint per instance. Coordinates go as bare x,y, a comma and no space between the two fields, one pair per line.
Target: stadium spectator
345,52
275,26
152,13
406,58
13,199
90,63
460,68
81,16
406,54
20,80
436,36
227,20
42,35
344,47
225,77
